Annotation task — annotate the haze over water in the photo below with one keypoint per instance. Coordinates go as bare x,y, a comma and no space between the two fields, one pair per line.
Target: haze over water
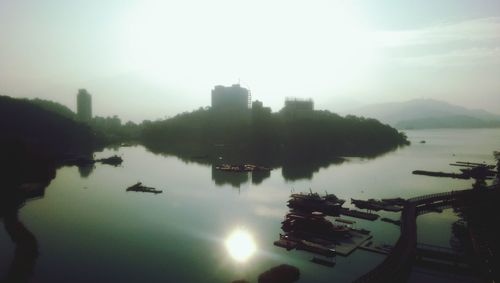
89,229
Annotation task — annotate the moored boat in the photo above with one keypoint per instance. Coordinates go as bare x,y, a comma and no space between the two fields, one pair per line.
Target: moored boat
241,168
322,261
138,187
316,223
315,248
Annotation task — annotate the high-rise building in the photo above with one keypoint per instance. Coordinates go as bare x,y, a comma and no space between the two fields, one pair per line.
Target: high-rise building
258,109
299,105
84,105
233,97
296,107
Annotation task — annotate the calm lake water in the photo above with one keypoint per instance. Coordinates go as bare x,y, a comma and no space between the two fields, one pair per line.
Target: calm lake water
89,229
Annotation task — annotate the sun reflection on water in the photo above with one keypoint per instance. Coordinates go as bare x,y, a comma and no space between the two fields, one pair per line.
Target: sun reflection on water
240,245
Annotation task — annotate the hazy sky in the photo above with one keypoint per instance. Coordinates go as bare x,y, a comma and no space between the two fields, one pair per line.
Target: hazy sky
151,59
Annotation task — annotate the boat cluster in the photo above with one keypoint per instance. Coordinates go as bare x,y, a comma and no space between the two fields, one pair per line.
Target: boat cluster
311,232
329,204
241,168
306,227
313,223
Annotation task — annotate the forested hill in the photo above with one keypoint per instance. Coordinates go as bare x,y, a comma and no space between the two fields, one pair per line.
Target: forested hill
54,107
311,133
46,131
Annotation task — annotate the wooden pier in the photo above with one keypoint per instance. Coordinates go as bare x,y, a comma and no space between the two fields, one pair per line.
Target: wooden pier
478,171
441,174
359,214
392,221
397,266
345,246
376,248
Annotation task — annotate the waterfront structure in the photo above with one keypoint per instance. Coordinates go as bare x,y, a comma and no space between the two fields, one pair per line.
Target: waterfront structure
298,106
233,97
84,105
257,104
258,109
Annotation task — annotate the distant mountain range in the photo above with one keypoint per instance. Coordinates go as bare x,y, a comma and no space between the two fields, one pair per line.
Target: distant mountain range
427,114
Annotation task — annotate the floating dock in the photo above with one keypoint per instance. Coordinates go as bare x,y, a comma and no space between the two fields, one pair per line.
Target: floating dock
393,221
284,243
322,261
440,174
376,205
369,246
345,221
345,246
315,248
359,214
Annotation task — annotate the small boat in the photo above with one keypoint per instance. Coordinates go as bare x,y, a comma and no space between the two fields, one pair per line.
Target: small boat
286,242
370,204
315,223
359,214
314,205
362,231
310,196
394,201
345,221
315,248
138,187
322,261
333,198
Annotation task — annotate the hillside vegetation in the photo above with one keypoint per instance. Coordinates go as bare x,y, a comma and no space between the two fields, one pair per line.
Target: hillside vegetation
307,134
47,131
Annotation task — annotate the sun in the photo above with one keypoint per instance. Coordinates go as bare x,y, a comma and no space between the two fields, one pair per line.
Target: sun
240,245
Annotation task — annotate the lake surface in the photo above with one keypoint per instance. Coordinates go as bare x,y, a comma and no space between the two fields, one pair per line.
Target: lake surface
89,229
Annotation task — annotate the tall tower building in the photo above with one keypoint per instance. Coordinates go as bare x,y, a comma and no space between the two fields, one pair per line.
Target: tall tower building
233,97
84,105
297,107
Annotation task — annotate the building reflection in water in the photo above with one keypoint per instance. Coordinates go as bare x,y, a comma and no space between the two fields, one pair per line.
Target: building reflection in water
86,170
259,176
234,179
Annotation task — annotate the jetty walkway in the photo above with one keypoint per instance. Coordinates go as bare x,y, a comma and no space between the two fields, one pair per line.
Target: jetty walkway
397,265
